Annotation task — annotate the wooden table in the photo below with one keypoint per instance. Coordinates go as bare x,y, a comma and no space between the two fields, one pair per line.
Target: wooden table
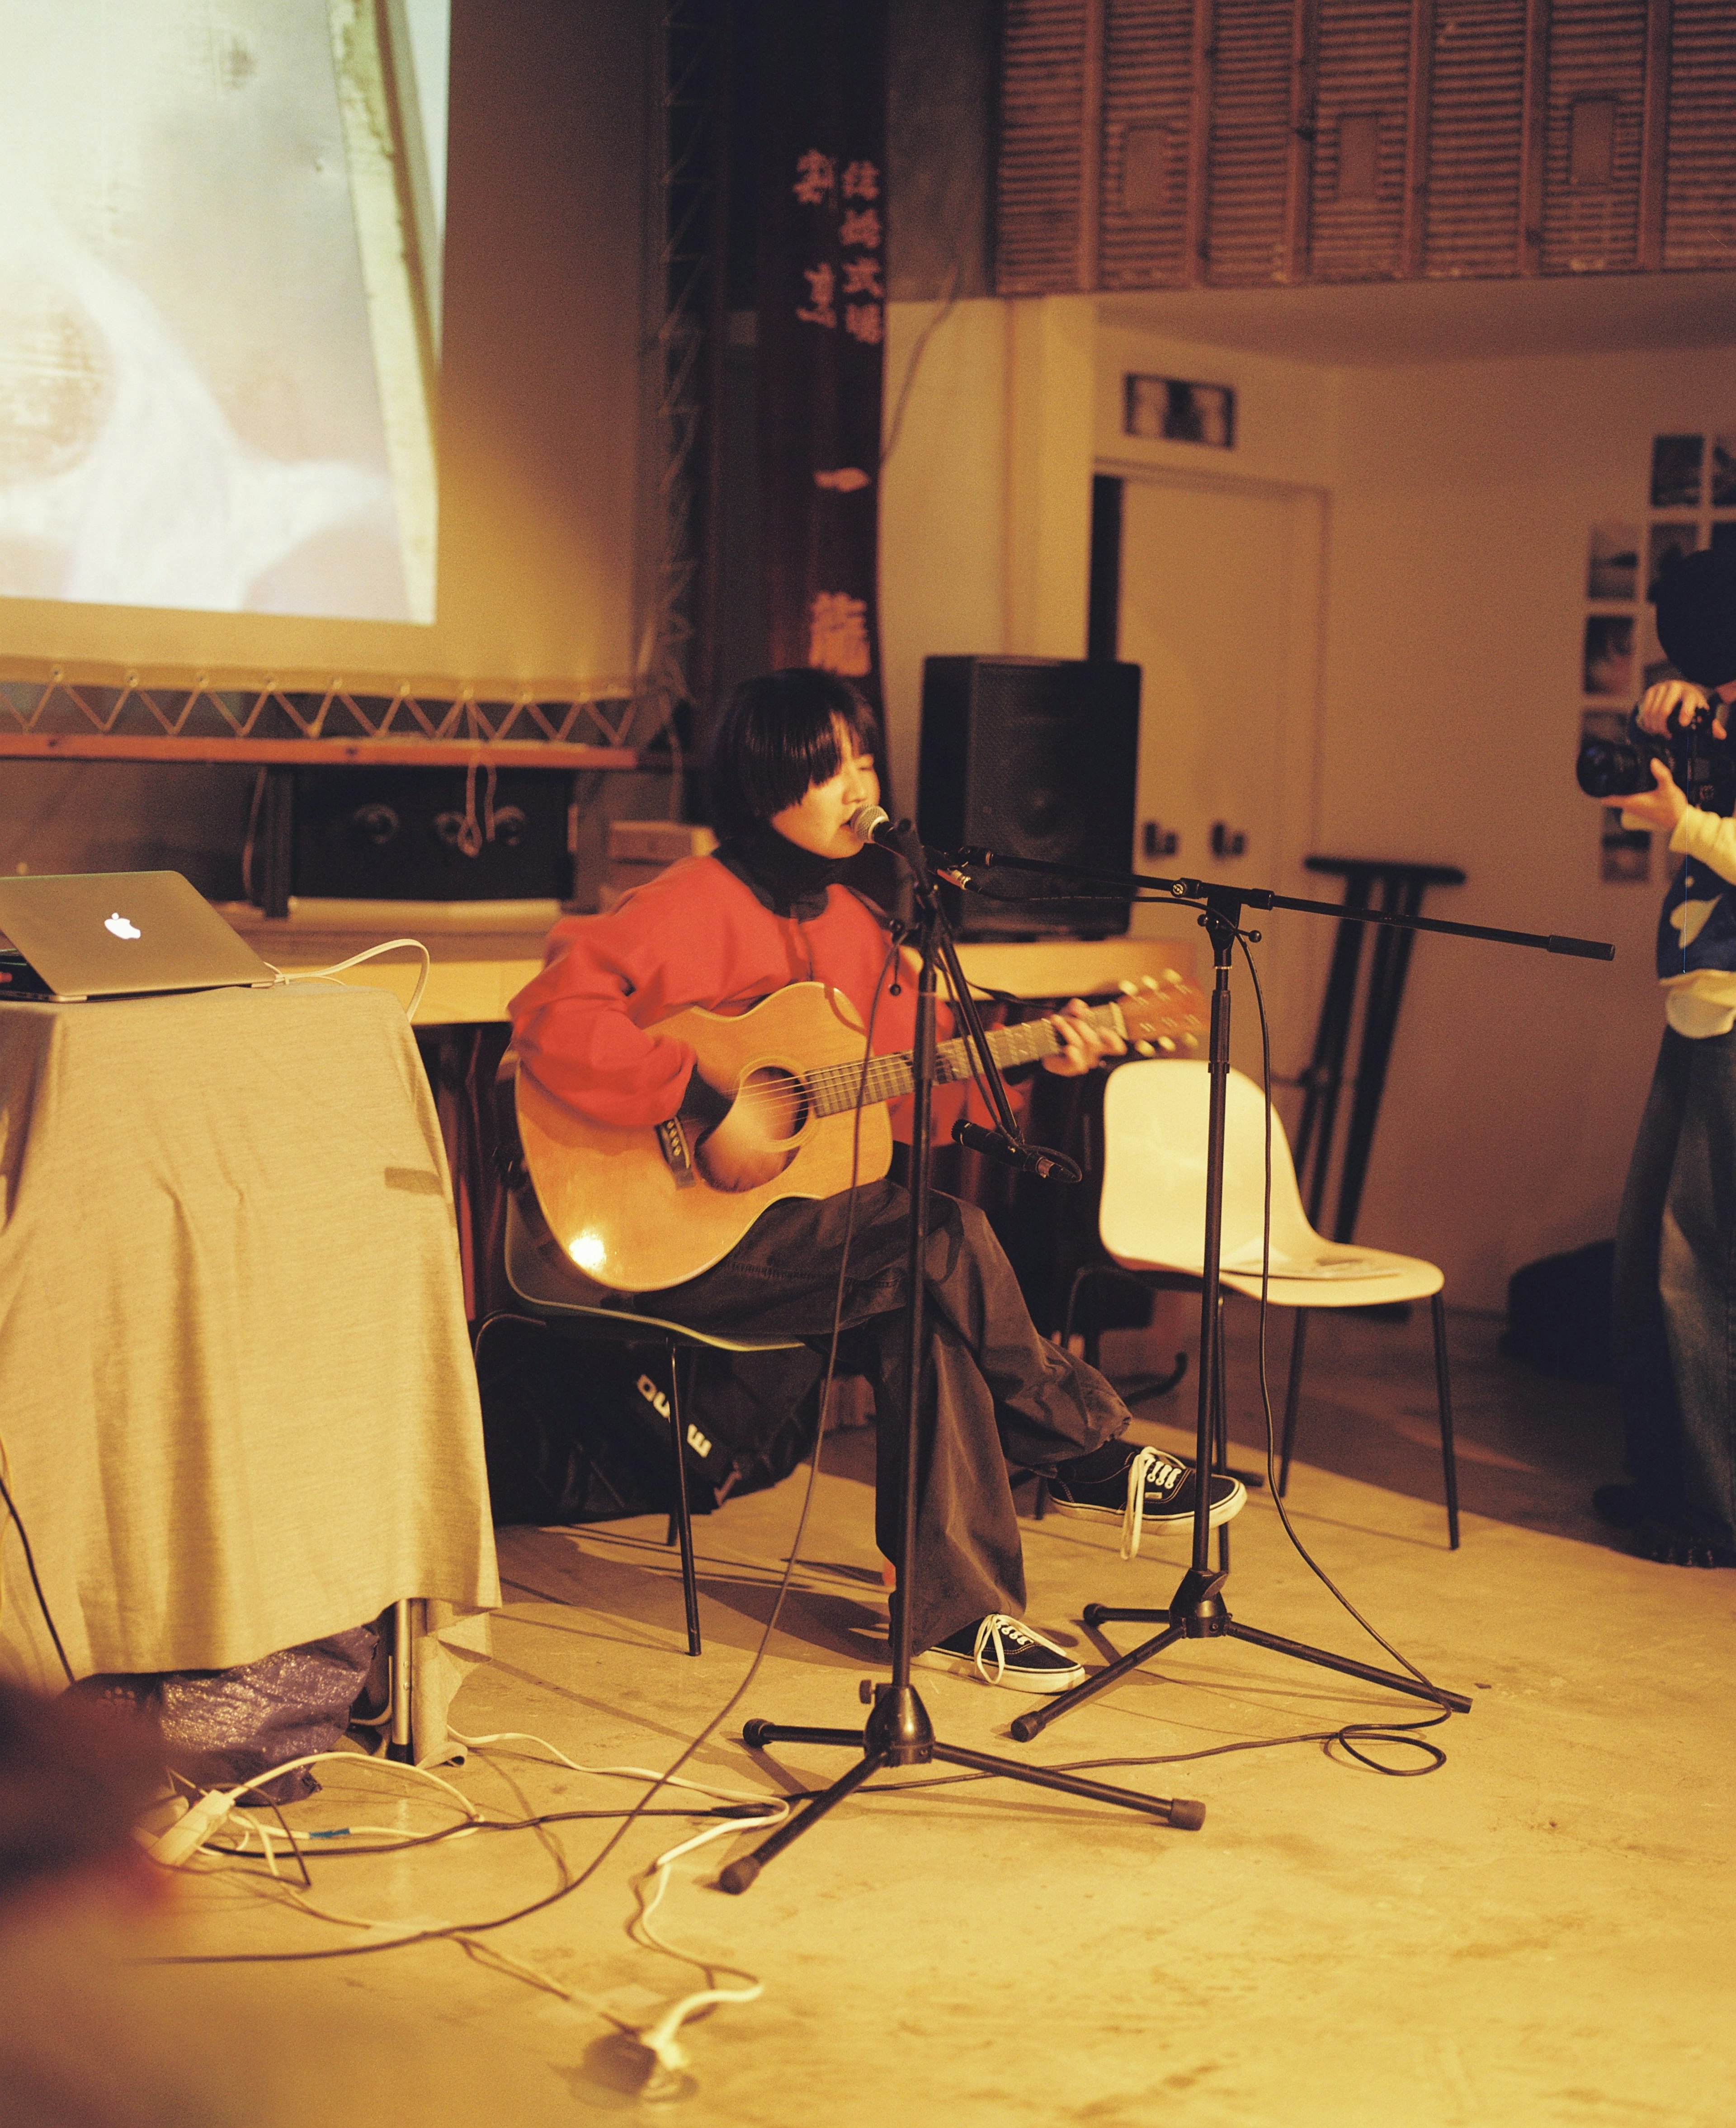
484,953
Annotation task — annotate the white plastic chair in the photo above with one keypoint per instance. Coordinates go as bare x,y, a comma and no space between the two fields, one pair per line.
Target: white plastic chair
1153,1216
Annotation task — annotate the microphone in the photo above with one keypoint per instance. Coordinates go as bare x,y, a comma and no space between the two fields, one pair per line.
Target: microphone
1037,1160
873,823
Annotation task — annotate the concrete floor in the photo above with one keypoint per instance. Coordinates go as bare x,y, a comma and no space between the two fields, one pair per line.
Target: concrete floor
1539,1933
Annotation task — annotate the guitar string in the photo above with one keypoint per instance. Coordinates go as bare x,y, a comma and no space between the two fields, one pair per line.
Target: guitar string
824,1090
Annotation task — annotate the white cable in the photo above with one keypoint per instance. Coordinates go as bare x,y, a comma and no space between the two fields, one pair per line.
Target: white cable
371,952
628,1773
661,2038
188,1833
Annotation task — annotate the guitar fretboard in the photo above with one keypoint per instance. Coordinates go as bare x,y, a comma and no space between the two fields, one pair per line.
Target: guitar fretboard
834,1088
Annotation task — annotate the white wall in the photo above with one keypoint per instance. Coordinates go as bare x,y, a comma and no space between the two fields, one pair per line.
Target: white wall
1463,494
1460,498
943,507
985,528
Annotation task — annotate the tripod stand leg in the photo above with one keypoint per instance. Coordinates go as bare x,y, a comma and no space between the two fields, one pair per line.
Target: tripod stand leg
1182,1812
1436,1695
1034,1723
741,1872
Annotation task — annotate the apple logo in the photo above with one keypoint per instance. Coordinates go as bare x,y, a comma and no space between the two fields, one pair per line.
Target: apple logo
121,928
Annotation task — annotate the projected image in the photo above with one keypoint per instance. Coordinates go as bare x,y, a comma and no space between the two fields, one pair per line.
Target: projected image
220,231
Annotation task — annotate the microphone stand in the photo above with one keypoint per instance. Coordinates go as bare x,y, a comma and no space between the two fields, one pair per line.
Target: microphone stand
898,1731
1198,1611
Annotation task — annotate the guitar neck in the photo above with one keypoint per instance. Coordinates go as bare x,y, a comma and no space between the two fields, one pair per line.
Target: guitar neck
834,1087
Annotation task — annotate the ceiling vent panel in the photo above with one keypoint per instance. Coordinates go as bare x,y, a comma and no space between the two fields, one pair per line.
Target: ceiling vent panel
1356,214
1251,137
1597,49
1148,57
1699,164
1038,189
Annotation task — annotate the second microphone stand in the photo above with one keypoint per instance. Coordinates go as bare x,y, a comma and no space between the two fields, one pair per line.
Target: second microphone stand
898,1731
1198,1611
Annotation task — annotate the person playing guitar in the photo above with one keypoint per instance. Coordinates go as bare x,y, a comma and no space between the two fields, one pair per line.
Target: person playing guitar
791,764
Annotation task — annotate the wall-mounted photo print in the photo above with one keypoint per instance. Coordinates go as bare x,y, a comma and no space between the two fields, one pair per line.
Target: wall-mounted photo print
1676,464
1724,472
1666,544
1613,570
1609,659
1174,410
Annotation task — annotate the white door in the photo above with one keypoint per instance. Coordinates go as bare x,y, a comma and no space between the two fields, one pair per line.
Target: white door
1220,605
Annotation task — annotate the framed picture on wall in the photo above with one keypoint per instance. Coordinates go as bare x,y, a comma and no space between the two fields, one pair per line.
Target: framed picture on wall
1676,464
1609,654
1178,409
1612,571
1724,471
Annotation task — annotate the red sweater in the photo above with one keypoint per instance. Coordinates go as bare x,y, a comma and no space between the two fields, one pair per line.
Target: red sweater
695,935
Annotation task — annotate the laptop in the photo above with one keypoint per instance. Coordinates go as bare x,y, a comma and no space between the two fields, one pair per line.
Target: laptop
77,935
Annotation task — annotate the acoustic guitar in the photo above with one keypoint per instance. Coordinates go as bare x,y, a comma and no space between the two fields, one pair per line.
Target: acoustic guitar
632,1210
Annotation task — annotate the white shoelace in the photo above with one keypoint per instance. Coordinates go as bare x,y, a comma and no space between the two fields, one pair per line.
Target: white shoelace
1133,1519
996,1633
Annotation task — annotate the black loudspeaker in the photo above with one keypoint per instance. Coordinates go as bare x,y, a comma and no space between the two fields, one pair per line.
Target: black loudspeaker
414,835
1031,757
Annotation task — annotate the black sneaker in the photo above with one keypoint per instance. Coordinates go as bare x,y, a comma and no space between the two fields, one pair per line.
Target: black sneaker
1690,1541
1020,1657
1151,1487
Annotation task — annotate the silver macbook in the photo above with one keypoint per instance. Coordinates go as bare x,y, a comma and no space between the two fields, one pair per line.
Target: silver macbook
117,934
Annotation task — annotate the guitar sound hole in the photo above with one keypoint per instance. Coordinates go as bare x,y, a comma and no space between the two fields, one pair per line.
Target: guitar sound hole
778,1104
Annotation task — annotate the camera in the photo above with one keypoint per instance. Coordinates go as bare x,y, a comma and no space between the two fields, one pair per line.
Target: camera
1703,765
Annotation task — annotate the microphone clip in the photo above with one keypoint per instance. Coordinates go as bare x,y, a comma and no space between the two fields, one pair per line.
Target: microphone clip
1046,1165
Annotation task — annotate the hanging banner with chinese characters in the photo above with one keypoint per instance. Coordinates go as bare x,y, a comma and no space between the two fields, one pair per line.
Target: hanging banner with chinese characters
822,329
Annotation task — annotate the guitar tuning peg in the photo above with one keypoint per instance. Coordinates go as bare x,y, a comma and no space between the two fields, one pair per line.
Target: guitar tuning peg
1143,1049
1191,1041
1150,983
1127,989
1166,1042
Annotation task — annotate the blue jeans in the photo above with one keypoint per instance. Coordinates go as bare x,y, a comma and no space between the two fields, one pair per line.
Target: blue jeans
1675,1289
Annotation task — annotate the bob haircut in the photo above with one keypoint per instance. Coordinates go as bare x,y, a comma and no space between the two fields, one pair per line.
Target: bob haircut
778,735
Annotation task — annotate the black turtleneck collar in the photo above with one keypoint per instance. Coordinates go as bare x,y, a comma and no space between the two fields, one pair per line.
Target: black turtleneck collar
780,874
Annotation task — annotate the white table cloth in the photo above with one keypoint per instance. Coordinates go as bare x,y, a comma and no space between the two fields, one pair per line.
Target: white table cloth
237,1406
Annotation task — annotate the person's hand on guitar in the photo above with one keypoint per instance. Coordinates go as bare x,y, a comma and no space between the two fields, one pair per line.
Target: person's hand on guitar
1086,1044
748,1144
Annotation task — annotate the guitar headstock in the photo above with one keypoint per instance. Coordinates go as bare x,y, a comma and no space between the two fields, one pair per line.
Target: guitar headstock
1162,1015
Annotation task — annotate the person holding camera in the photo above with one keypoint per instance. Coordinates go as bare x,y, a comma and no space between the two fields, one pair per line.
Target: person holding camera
1675,1279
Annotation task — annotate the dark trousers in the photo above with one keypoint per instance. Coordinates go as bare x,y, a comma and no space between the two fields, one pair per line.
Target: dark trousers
994,1392
1675,1288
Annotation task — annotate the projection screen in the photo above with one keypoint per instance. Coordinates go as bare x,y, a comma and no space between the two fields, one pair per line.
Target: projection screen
231,453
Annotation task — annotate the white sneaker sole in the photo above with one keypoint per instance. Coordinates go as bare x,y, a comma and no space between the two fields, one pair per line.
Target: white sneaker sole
1014,1680
1225,1510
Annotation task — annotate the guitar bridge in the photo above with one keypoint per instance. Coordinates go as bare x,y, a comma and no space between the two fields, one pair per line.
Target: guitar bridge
677,1154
